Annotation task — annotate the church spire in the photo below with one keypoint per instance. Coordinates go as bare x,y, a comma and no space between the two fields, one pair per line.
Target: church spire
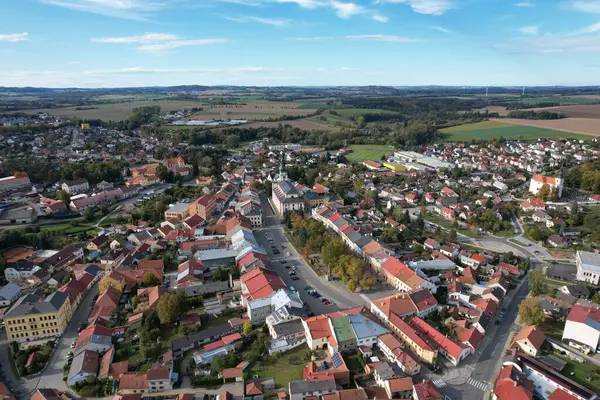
282,169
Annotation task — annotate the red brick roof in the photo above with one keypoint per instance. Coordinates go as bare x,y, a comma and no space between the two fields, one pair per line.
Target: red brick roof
261,282
512,385
450,347
581,314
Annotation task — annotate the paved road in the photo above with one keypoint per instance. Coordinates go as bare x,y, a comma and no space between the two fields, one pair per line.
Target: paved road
341,299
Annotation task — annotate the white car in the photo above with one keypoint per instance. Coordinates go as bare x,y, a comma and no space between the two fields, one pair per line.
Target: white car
288,254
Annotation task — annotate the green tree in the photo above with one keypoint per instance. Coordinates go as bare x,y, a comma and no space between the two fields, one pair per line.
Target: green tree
171,306
531,311
596,298
88,214
537,283
162,172
247,328
63,196
150,280
220,274
544,192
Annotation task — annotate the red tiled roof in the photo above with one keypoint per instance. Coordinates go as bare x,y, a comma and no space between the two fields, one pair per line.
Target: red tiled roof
427,391
512,385
450,347
261,282
133,381
581,314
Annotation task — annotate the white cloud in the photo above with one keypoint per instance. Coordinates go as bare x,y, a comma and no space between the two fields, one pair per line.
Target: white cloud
346,10
532,30
433,7
592,28
266,21
441,29
145,38
525,4
379,38
127,9
13,37
379,17
586,6
158,42
174,44
547,44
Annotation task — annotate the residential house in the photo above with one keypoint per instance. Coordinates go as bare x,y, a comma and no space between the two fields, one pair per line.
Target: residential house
84,366
588,267
530,340
582,328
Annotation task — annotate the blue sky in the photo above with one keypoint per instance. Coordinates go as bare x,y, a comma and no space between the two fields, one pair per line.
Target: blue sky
113,43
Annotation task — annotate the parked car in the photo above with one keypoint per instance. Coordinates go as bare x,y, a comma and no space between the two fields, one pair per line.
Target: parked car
292,272
307,288
295,278
283,262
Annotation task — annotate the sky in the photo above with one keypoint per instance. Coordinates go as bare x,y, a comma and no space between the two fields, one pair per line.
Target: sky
125,43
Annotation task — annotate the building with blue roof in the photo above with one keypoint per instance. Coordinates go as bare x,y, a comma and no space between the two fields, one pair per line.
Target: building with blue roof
366,331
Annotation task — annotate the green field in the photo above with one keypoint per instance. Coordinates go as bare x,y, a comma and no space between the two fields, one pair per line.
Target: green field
348,112
493,129
373,152
563,100
313,106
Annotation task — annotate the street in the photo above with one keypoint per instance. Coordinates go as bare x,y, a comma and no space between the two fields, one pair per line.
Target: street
306,275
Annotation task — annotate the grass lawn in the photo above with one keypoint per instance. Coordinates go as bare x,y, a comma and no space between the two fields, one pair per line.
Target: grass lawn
448,225
289,367
581,372
373,152
553,328
505,234
494,129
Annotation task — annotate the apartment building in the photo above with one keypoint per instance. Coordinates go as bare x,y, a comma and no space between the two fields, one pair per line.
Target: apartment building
32,318
588,267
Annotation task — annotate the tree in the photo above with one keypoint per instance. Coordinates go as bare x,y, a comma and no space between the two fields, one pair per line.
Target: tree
162,172
553,292
171,306
150,280
64,197
531,311
247,327
544,192
596,298
453,235
88,214
220,274
537,283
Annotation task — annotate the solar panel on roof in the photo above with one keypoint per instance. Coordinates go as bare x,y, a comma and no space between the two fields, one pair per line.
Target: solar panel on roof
336,359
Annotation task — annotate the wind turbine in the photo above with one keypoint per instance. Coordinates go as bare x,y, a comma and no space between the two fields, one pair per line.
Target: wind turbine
523,94
486,92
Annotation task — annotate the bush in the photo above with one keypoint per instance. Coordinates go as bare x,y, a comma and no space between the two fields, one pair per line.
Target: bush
205,381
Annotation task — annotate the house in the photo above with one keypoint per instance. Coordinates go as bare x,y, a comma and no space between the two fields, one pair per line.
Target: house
133,382
420,302
205,206
9,294
254,391
588,267
300,390
533,204
20,270
76,186
530,340
426,391
392,349
98,243
431,244
348,394
399,388
84,365
582,328
512,384
541,216
158,378
49,394
555,240
96,338
446,346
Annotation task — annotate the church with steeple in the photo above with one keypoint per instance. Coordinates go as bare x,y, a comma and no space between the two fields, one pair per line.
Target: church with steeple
285,196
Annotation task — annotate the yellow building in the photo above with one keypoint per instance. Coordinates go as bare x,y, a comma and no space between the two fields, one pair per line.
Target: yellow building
85,126
115,280
394,166
32,318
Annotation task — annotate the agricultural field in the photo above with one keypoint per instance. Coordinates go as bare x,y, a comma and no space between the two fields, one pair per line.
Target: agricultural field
578,111
495,129
583,126
563,100
312,106
116,111
373,152
250,111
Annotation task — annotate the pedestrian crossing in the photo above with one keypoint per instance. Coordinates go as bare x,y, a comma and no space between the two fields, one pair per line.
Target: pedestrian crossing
479,385
439,383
